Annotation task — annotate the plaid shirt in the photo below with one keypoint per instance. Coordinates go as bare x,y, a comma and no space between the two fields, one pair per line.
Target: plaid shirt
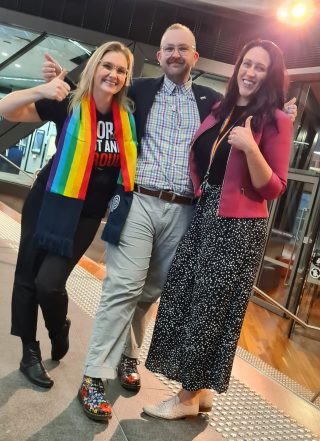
172,121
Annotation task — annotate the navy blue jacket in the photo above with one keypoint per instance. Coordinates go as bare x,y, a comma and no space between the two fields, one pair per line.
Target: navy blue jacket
143,92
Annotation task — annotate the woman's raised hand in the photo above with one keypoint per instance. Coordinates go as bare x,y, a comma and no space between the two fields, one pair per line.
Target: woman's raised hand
57,89
242,138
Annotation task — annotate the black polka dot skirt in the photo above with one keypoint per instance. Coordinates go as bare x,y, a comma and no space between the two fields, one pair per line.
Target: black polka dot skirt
205,297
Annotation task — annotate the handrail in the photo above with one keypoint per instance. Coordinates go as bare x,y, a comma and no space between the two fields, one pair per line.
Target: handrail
289,313
282,233
16,166
296,239
255,288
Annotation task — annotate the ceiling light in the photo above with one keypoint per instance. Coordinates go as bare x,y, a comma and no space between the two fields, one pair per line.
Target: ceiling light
296,12
4,54
17,65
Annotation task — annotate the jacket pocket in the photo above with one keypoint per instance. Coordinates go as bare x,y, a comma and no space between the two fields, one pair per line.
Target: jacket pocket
250,193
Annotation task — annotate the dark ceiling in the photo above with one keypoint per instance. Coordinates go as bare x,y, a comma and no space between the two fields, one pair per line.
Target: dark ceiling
220,33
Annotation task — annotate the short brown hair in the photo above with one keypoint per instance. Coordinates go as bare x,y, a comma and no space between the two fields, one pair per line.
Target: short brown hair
179,26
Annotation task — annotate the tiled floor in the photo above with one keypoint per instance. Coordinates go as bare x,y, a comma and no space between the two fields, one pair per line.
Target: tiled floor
256,407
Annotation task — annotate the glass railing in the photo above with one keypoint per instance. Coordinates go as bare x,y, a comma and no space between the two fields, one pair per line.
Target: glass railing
31,152
12,165
25,71
14,39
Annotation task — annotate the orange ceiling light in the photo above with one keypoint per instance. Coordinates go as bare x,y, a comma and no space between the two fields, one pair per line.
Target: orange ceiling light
296,12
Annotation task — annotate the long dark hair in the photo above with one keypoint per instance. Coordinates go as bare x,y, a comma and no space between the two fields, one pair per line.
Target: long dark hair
271,94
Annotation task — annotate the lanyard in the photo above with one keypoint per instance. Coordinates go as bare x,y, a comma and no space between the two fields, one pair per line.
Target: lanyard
220,138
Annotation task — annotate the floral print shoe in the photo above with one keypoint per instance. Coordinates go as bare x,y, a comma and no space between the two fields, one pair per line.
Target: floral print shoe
93,399
128,373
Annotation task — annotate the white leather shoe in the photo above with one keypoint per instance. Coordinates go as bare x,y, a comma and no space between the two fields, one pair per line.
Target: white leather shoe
172,409
205,402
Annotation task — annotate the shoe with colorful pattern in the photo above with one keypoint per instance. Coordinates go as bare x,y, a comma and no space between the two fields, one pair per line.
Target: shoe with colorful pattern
93,399
128,373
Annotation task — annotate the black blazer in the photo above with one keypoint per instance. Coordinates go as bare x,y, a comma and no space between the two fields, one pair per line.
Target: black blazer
143,92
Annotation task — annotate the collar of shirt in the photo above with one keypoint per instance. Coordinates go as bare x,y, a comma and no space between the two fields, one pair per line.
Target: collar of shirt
170,87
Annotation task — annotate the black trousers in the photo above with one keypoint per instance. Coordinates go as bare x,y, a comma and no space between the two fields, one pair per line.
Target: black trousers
40,277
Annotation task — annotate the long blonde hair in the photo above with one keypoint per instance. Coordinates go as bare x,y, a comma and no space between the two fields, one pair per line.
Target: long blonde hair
85,84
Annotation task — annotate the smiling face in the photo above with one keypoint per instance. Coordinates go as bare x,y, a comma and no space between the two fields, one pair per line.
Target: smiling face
177,55
252,73
110,75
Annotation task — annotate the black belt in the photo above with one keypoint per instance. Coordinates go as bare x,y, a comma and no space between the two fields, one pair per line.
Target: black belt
167,196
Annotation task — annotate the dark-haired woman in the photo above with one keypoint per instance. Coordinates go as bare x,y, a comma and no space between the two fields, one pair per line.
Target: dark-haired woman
240,154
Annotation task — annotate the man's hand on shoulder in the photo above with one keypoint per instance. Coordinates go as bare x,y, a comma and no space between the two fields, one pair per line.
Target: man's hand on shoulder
50,68
291,109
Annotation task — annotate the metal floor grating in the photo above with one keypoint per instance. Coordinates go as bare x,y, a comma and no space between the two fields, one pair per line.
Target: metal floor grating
240,414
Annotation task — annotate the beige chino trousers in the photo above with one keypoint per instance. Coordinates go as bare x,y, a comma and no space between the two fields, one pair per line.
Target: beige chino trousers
136,272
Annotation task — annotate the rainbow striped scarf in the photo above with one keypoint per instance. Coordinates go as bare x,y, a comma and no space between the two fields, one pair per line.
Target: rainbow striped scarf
71,169
72,164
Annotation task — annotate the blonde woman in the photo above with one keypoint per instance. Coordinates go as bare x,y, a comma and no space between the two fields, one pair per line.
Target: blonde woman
96,149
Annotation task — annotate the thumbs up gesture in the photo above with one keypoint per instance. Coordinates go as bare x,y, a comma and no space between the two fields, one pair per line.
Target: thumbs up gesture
242,138
57,89
50,68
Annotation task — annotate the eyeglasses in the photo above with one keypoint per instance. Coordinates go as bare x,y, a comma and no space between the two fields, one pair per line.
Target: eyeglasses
121,71
182,49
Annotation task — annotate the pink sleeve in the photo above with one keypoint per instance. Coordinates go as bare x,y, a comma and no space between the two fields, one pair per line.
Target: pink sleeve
275,146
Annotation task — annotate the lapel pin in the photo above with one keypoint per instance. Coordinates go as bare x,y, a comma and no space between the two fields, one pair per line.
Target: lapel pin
203,97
